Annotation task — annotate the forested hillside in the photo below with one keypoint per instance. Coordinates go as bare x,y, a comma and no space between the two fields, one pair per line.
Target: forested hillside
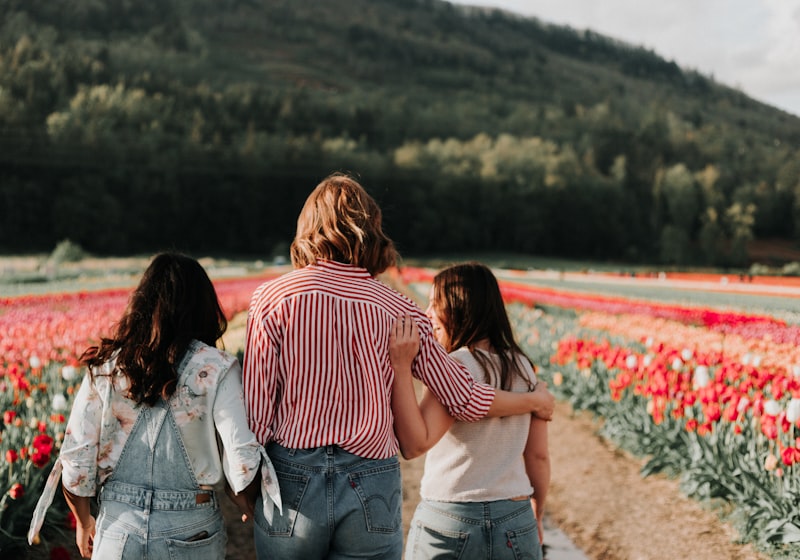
135,125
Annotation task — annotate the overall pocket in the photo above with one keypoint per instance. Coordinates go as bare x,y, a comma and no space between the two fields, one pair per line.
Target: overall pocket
108,544
198,547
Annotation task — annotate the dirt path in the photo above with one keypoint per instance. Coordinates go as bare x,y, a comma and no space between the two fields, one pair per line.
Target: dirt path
599,499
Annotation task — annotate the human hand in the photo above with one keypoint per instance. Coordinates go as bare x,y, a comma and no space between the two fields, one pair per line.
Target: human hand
403,343
84,537
540,527
245,501
544,403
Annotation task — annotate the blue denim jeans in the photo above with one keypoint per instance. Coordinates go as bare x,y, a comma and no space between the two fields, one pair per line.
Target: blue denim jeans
151,508
474,531
336,505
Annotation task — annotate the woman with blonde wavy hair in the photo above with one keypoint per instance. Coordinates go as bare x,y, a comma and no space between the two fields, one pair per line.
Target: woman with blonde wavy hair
318,384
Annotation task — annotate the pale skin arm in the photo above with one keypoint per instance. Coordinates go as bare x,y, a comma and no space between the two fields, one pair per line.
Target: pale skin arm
417,426
540,402
85,529
537,466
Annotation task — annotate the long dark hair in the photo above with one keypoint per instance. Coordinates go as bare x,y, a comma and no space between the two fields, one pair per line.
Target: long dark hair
341,222
174,303
469,305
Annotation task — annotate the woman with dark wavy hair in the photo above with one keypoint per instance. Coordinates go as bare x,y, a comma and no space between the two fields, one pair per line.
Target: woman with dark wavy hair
143,432
318,384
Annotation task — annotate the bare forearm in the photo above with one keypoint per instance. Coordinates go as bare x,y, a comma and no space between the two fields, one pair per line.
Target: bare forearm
85,531
81,507
539,475
409,425
537,463
539,402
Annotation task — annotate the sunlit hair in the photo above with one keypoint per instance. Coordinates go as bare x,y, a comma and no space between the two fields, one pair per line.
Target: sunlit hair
341,222
174,303
470,308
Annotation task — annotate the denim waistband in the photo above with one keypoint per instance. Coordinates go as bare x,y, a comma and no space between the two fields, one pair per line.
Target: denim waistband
147,499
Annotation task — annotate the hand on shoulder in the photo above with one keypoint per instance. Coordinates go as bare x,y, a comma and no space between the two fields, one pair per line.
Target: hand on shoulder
403,343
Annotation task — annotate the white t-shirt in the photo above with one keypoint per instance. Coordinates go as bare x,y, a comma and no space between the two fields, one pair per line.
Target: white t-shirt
480,461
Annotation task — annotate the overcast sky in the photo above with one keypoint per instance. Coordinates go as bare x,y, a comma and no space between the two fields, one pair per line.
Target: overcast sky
753,45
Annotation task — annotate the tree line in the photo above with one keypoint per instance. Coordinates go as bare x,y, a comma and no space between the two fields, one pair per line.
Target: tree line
120,143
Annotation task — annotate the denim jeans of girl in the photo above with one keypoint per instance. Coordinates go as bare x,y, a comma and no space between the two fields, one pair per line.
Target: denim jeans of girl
336,505
503,529
151,508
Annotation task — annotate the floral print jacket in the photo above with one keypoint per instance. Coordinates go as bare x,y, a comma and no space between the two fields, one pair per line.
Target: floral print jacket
207,405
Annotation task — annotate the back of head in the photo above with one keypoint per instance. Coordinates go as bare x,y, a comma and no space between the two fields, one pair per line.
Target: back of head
470,306
174,303
341,222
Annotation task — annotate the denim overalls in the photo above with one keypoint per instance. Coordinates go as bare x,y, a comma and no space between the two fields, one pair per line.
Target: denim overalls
151,508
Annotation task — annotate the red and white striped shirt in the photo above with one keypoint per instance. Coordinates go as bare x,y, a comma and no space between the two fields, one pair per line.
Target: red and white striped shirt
316,362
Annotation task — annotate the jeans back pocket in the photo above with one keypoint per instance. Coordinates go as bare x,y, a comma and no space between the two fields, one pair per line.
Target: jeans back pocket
293,487
380,491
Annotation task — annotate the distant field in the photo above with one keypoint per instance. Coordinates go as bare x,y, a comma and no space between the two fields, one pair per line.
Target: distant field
24,275
750,298
21,275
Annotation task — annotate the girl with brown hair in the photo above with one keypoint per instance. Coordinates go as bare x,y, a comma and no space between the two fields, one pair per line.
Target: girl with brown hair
483,481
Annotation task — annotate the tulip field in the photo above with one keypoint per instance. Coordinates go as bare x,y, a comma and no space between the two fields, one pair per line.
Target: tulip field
704,393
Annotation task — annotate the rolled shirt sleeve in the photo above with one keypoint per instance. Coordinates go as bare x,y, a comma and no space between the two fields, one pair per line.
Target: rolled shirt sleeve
241,452
242,456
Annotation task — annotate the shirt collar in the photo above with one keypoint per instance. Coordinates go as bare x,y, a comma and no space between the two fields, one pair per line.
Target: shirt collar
342,268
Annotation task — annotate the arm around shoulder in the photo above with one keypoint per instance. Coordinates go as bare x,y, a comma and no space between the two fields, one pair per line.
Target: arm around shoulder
540,402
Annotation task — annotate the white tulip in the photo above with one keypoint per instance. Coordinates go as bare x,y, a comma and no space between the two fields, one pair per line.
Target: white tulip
756,361
793,410
631,361
744,402
647,360
59,402
68,373
35,362
772,408
686,354
677,363
796,370
701,377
